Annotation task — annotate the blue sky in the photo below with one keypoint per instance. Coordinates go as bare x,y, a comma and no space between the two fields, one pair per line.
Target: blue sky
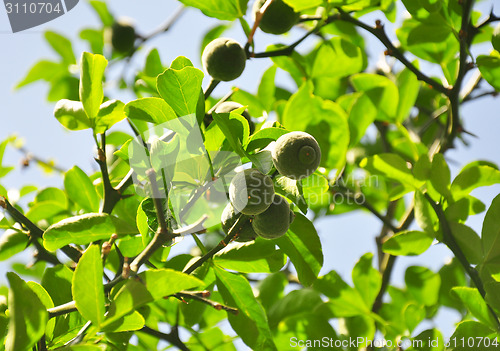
26,113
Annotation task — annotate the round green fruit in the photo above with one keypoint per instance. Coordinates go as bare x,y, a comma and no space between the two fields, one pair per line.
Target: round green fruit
251,192
122,37
279,18
296,155
224,59
228,106
245,232
275,221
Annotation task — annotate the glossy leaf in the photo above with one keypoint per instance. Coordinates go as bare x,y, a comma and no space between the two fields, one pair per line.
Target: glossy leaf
474,177
472,299
28,316
71,115
62,46
110,113
87,288
91,93
423,284
84,229
251,321
391,166
180,89
489,66
12,241
224,10
81,190
367,280
303,246
408,243
151,109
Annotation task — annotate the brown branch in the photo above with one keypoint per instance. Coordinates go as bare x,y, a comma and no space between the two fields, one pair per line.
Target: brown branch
202,297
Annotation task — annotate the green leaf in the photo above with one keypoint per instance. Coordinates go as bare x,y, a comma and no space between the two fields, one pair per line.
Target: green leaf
413,315
472,331
264,137
490,234
296,304
259,256
313,188
362,113
338,58
84,229
45,298
132,321
408,87
251,322
91,93
440,175
366,279
267,88
425,216
474,177
110,113
301,5
303,246
271,289
235,128
150,109
468,240
81,190
57,281
12,242
151,285
102,11
323,119
381,91
391,166
408,243
474,302
344,301
428,340
153,66
28,316
180,89
95,37
423,284
71,115
489,66
46,70
87,286
62,46
224,10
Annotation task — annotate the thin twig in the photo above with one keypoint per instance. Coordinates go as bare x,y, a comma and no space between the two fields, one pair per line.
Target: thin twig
230,236
202,298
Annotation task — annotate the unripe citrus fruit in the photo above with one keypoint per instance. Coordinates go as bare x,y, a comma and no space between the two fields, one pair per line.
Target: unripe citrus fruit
279,18
296,155
228,218
275,221
224,59
122,37
251,192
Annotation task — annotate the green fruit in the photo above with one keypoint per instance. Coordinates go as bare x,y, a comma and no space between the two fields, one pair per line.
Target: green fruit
296,155
495,40
275,221
122,37
228,106
279,18
245,232
251,192
224,59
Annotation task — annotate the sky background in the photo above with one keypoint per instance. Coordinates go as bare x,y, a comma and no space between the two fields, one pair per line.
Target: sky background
27,114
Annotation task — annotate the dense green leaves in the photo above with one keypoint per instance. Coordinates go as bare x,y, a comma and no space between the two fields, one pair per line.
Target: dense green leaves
87,288
28,316
251,321
84,229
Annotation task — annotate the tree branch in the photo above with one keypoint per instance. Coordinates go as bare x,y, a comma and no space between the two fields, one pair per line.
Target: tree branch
449,240
202,297
230,236
172,338
163,234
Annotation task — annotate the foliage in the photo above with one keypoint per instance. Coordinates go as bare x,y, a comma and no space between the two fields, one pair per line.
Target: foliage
122,275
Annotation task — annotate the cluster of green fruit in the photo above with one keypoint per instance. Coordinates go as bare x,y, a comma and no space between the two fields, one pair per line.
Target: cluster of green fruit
224,59
295,155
